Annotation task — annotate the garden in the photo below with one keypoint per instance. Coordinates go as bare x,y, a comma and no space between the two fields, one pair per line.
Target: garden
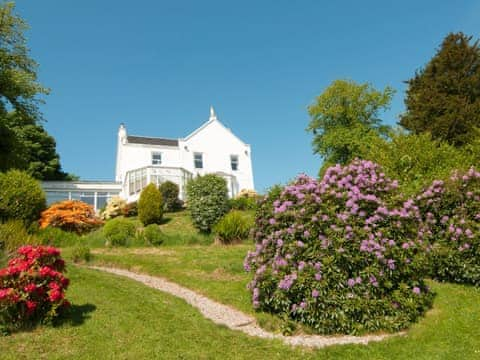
345,254
383,244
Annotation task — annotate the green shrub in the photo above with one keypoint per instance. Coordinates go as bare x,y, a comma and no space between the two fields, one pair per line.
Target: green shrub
150,205
233,227
119,232
131,209
451,213
170,192
81,253
94,239
153,235
242,203
207,200
57,237
417,160
341,255
21,197
13,235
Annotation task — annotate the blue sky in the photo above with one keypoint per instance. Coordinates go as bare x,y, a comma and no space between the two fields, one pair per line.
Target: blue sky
157,66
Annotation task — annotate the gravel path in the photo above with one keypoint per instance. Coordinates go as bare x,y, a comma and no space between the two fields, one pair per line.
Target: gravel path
237,320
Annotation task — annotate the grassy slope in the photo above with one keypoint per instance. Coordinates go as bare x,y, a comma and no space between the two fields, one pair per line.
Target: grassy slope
119,318
450,330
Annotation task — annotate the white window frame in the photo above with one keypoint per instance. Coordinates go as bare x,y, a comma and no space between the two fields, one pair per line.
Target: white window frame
155,161
237,162
195,154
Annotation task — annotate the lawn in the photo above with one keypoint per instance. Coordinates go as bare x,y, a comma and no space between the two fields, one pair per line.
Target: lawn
450,329
114,317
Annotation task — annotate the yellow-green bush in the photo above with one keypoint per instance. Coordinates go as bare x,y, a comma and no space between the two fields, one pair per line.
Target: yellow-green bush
150,205
21,197
234,227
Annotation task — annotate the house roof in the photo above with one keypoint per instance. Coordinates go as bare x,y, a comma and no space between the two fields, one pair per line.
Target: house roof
151,141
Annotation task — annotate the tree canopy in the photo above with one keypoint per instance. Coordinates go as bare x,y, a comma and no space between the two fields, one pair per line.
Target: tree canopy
24,143
346,116
443,98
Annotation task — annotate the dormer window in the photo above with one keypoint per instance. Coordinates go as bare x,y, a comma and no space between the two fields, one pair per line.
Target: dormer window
234,162
156,158
198,160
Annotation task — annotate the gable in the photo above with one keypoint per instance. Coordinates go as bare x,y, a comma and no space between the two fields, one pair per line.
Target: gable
213,130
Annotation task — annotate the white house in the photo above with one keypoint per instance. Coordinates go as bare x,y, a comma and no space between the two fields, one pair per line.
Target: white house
212,148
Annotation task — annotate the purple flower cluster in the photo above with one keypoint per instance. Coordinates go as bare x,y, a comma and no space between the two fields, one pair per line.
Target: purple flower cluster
451,212
347,236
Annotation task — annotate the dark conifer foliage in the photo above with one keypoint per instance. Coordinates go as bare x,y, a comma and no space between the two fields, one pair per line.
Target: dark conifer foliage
443,98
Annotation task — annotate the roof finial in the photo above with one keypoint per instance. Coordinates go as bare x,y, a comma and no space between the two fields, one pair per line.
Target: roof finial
213,116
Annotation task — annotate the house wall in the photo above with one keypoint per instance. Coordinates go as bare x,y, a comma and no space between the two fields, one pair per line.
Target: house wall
217,143
134,156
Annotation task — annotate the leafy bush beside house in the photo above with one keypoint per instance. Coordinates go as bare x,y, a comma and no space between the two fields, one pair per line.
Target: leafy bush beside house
170,193
341,255
21,197
207,198
150,205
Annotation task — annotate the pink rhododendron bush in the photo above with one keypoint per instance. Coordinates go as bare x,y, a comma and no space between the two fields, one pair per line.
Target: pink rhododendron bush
32,287
451,210
343,255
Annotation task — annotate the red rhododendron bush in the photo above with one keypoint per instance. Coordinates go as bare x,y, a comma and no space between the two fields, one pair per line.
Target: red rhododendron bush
342,255
32,287
70,215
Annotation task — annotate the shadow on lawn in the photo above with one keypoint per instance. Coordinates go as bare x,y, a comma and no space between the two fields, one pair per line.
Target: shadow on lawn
76,315
165,220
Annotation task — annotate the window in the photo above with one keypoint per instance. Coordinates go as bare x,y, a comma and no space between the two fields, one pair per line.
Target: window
137,180
234,162
156,158
198,160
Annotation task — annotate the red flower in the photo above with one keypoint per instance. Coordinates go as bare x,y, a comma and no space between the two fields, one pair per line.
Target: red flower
30,288
52,251
55,295
31,306
53,285
4,293
47,271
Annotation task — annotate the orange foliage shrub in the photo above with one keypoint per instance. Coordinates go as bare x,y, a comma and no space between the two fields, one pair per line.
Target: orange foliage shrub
70,215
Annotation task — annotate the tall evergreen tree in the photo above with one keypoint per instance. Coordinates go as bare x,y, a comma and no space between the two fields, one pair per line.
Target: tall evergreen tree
443,98
24,143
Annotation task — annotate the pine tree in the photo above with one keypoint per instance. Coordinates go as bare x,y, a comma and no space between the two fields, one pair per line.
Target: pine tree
443,98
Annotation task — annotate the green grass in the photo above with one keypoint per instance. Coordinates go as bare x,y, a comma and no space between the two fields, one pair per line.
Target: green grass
216,271
178,229
114,317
